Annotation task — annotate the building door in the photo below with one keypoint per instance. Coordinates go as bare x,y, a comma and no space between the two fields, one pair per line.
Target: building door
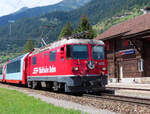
120,71
128,68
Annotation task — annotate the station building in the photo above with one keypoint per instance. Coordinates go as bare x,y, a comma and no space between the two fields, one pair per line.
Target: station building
128,50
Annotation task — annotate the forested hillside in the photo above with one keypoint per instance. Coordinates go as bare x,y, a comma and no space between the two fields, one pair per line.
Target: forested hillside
65,5
107,23
98,12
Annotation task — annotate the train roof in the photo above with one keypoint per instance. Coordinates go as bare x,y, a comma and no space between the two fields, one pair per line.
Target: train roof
67,41
18,58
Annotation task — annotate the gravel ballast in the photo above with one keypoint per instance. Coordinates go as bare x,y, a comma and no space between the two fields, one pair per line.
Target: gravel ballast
90,105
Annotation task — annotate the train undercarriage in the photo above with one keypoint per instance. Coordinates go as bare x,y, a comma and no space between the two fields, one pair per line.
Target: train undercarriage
72,84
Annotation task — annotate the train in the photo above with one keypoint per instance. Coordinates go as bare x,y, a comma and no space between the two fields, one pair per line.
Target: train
68,65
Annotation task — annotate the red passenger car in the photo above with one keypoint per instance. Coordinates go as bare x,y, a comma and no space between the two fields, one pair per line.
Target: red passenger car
70,65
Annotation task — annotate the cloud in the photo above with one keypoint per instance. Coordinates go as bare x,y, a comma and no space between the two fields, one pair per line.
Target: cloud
10,6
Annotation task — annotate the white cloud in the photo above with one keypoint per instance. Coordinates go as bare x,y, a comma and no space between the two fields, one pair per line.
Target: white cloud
10,6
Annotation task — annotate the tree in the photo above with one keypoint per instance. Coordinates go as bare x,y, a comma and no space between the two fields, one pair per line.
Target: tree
29,46
85,26
66,31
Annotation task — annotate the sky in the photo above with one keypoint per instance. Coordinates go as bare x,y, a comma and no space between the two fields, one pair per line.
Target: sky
10,6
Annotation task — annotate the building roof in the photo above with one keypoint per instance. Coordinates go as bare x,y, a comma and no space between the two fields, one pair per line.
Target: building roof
132,26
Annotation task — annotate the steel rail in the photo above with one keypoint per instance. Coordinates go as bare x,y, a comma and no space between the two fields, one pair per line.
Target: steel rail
127,99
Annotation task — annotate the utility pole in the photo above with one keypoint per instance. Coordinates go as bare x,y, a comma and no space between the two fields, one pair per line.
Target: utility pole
10,27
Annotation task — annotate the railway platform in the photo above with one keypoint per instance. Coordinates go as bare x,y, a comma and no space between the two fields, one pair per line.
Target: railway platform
129,85
131,90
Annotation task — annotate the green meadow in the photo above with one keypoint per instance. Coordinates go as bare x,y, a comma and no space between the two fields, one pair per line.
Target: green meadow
14,102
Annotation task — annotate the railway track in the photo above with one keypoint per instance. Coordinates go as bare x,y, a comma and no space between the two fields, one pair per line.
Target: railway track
88,100
134,100
107,96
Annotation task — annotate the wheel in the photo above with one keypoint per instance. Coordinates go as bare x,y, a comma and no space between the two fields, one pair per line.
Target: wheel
39,86
55,86
29,84
49,86
36,85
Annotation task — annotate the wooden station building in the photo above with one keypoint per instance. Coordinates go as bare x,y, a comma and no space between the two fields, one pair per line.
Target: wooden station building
128,50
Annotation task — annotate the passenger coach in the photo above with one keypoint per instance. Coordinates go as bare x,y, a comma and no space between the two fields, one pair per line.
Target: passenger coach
14,70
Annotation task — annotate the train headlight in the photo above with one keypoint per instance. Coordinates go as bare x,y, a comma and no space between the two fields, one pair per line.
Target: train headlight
104,68
75,68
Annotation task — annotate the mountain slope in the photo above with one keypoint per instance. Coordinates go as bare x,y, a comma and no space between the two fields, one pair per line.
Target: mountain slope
65,5
97,11
106,24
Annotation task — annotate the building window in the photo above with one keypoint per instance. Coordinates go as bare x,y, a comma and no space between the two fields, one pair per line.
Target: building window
34,60
53,56
140,65
127,43
107,45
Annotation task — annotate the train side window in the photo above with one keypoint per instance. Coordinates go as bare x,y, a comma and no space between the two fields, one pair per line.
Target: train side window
14,67
53,56
62,49
68,51
34,60
0,69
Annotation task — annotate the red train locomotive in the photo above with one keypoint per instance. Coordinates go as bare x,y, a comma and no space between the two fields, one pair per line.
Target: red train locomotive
70,65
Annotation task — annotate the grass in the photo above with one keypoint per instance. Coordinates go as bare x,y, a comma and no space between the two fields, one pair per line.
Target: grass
14,102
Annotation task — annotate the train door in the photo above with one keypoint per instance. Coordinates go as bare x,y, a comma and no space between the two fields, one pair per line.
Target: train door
33,66
60,58
29,62
25,70
4,72
45,59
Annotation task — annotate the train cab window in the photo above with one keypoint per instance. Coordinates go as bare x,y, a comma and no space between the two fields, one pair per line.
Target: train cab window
80,52
98,52
53,56
34,60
